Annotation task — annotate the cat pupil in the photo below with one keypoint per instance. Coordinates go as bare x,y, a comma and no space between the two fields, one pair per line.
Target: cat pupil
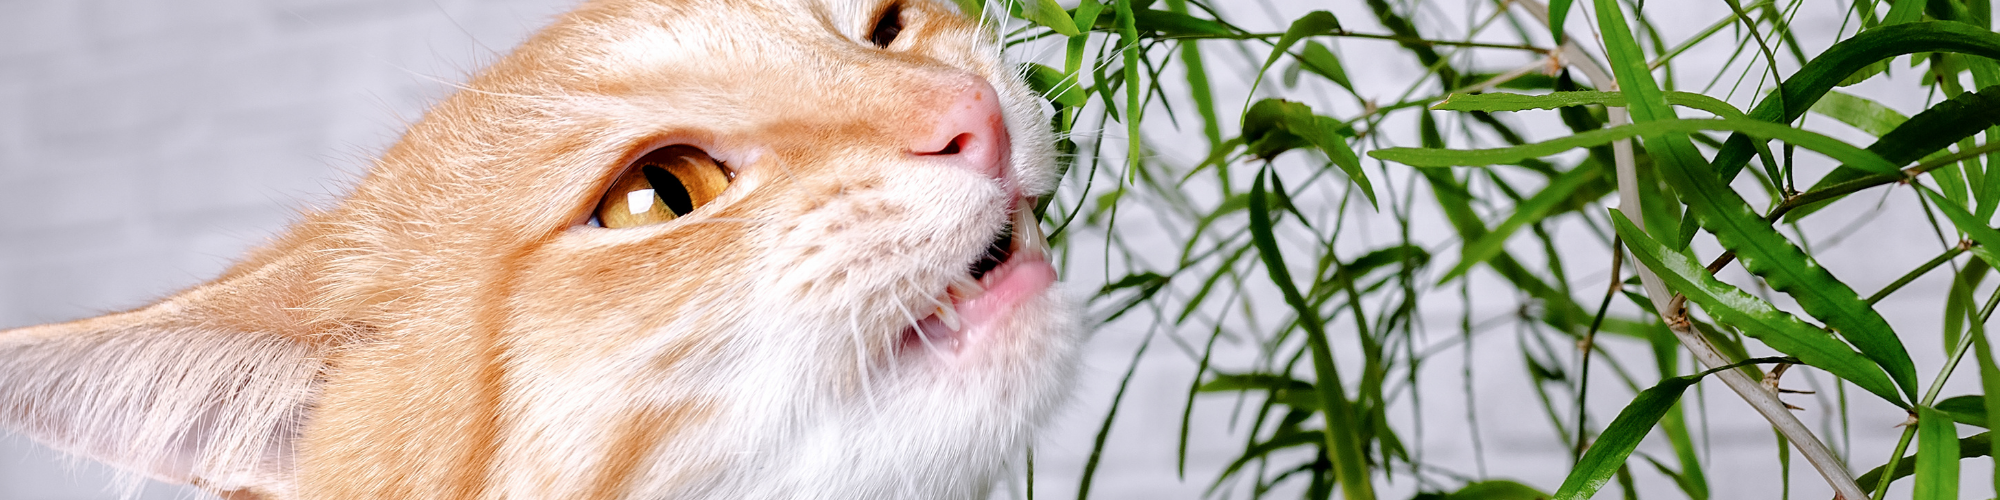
888,26
669,189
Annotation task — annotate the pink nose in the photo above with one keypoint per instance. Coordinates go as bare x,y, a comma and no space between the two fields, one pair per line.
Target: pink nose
970,132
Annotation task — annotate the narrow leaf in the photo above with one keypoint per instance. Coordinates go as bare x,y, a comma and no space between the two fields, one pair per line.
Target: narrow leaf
1558,13
1989,383
1988,238
1318,22
1176,24
1528,211
1055,86
1934,129
1859,112
1720,209
1507,101
1977,445
1755,317
1321,61
1968,410
1810,82
1343,440
1048,14
1608,453
1497,489
1846,153
1937,455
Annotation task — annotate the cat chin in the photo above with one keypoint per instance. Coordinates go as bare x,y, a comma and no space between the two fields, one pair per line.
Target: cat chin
935,428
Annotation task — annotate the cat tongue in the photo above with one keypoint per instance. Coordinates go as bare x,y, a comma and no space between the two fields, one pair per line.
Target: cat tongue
1021,278
1025,274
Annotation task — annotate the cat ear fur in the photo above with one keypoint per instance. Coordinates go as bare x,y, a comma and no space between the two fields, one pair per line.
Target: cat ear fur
209,387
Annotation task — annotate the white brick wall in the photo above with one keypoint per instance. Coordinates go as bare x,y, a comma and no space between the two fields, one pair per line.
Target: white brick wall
144,144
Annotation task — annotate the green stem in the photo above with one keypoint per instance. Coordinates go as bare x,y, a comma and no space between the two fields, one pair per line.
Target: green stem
1373,36
1882,486
1937,386
1845,188
1915,273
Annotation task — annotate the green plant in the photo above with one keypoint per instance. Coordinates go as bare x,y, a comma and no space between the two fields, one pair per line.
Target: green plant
1262,210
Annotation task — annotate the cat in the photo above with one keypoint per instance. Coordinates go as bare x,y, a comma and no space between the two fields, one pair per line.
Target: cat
665,249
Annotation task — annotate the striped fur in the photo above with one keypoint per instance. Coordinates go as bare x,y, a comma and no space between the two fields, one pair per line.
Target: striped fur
453,329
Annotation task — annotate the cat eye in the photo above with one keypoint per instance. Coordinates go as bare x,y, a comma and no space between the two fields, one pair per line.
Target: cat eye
888,26
662,186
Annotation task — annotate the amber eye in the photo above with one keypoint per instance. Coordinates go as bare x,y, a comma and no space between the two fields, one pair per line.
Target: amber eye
887,27
662,186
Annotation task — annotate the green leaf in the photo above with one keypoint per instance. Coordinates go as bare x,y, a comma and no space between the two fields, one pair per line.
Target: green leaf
1128,35
1847,153
1274,126
1534,209
1317,59
1267,127
1977,445
1507,101
1989,383
1343,441
1279,442
1288,391
1137,280
1618,440
1318,22
1055,86
1858,112
1048,14
1198,88
1932,130
1903,12
1497,489
1937,454
1558,13
975,9
1968,410
1988,238
1175,24
1225,382
1810,82
1559,310
1567,100
1720,209
1755,317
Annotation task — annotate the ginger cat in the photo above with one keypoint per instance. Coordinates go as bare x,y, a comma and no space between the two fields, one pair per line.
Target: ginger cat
667,249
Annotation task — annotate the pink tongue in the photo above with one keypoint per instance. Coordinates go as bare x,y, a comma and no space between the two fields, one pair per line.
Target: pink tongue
1013,282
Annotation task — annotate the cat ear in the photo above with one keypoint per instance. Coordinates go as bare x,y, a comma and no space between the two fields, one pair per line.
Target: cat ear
209,387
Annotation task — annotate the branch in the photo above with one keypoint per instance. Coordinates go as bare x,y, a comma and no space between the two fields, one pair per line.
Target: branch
1761,399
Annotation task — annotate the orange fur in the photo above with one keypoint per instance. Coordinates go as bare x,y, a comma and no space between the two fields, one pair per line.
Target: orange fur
457,332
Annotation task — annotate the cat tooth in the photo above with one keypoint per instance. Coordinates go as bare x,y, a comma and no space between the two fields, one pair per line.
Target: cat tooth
964,288
948,315
1028,235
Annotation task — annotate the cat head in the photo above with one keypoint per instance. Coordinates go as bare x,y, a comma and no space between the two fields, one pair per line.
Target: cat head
666,248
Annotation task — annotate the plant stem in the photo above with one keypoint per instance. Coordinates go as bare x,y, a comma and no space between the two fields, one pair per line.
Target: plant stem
1882,485
1937,386
1589,342
1374,36
1763,400
1853,187
1916,273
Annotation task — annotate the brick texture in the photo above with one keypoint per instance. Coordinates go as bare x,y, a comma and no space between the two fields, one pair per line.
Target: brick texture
143,145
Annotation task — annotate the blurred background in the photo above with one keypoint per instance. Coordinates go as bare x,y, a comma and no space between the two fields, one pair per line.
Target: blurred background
144,145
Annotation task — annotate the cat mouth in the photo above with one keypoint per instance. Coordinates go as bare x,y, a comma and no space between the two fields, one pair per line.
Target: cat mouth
1013,269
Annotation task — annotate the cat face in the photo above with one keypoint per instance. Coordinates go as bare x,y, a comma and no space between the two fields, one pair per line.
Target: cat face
666,249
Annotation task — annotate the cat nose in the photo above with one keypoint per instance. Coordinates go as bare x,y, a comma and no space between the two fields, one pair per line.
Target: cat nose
970,132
